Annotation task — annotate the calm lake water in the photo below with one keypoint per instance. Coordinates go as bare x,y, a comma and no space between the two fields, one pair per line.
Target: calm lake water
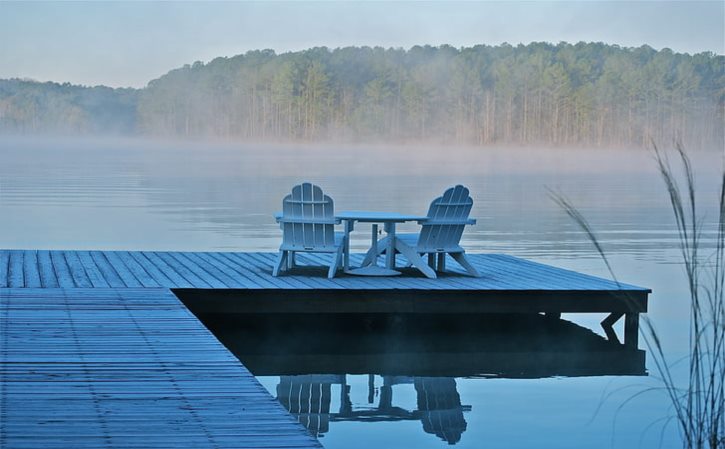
492,388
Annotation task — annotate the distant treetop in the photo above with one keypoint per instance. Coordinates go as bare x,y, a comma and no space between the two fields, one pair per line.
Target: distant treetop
590,94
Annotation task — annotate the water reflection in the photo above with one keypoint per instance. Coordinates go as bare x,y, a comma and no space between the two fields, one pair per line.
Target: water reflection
126,194
439,407
316,357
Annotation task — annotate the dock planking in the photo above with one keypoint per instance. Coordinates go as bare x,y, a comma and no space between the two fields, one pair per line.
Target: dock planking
243,282
97,351
188,270
126,368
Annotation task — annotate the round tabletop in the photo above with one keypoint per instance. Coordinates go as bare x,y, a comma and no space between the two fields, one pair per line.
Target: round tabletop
378,217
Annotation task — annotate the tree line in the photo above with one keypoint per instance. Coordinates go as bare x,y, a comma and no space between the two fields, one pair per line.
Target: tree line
588,94
29,107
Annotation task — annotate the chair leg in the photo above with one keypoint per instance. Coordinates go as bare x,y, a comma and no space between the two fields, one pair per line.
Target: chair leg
463,260
291,260
281,259
336,259
345,253
432,260
415,259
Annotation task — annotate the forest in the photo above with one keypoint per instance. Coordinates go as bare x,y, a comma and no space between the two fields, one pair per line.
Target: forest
585,94
29,107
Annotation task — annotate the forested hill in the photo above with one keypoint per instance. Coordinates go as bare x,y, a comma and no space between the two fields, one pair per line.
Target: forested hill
29,107
584,94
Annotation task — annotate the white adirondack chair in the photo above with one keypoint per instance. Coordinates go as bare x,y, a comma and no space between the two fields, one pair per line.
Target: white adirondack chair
440,235
308,225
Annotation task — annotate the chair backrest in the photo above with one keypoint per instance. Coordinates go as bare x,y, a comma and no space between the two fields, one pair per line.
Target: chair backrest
308,219
447,216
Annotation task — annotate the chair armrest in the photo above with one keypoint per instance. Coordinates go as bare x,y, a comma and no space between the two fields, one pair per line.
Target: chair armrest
468,221
282,219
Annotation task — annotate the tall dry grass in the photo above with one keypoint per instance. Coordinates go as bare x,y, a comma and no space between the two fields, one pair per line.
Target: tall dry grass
698,403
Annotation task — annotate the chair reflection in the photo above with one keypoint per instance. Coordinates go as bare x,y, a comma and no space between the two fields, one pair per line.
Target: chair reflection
439,408
315,358
308,397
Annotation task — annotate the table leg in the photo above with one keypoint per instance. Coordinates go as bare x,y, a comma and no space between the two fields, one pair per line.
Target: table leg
374,245
346,257
390,252
441,262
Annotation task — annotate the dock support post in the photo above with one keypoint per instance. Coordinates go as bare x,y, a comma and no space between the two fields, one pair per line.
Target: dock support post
371,388
608,323
631,330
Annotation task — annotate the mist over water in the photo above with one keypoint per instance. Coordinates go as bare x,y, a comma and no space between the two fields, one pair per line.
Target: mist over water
155,195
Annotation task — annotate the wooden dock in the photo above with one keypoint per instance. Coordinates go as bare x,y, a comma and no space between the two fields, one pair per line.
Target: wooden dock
96,350
126,368
234,270
243,283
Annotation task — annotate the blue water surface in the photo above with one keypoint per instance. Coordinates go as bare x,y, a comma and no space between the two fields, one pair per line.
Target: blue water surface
141,195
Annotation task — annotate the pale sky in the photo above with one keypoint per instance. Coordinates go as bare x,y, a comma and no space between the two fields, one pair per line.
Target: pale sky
131,43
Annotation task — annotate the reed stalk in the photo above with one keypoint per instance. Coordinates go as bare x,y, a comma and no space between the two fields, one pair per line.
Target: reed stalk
698,403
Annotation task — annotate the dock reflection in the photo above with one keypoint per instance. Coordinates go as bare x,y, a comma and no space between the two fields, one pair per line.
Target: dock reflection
314,358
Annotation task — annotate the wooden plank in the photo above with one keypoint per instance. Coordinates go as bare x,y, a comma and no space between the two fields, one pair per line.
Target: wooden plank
509,275
369,282
201,272
567,277
137,269
156,274
311,281
520,277
77,270
183,271
95,275
61,269
241,268
4,267
556,274
405,281
499,276
348,282
414,279
47,273
276,282
175,279
16,275
240,276
30,268
107,271
263,269
220,271
123,272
